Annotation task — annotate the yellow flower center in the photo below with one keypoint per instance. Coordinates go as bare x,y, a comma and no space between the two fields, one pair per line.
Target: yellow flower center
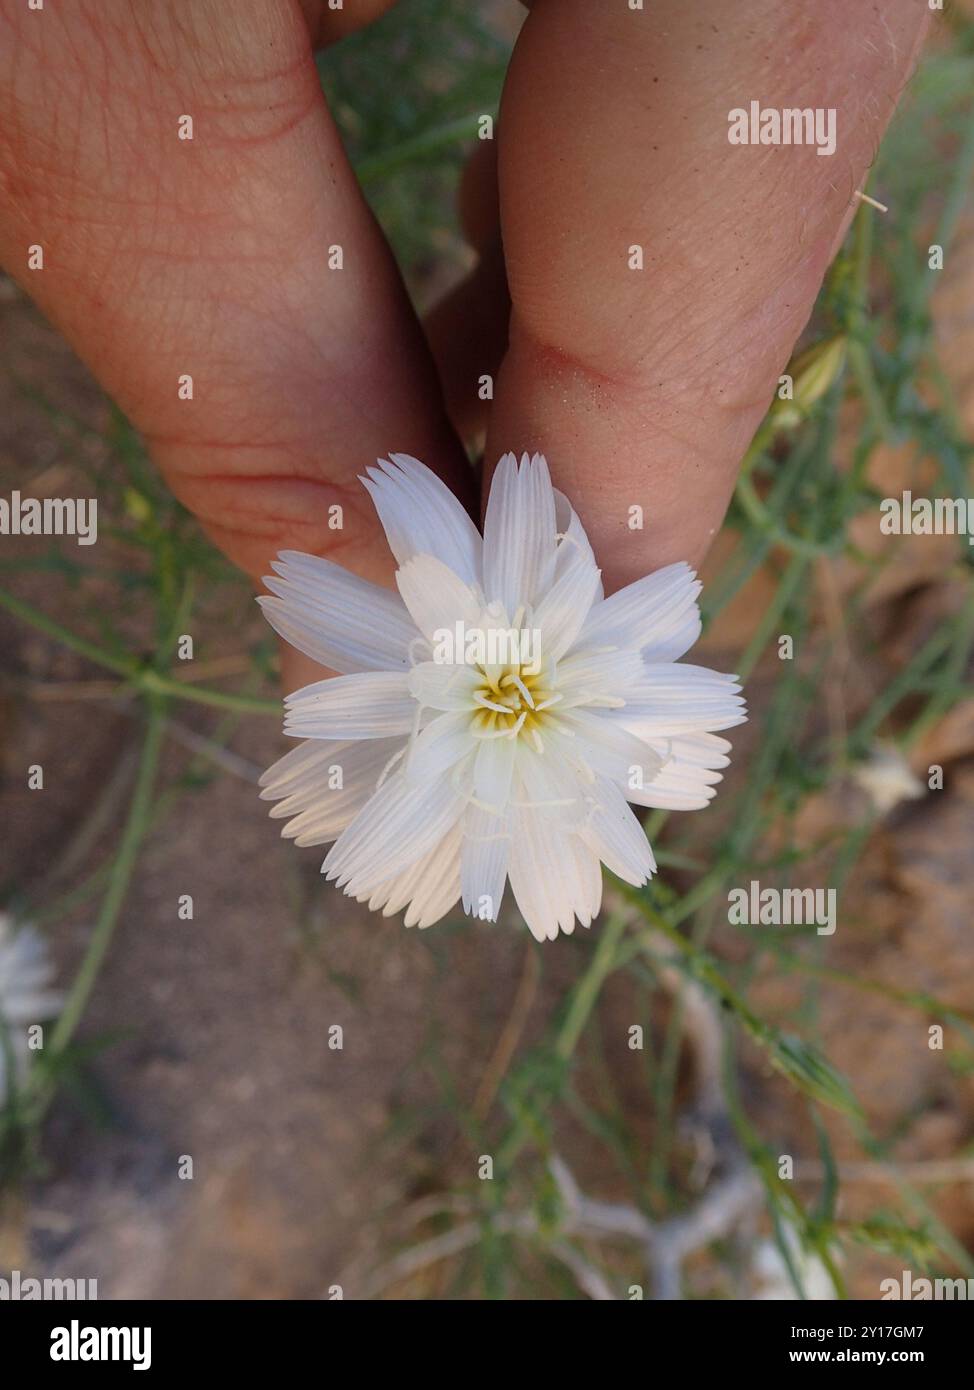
511,699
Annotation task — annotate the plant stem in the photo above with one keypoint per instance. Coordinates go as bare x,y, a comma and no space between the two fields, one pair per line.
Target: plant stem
133,833
142,678
419,147
50,628
586,991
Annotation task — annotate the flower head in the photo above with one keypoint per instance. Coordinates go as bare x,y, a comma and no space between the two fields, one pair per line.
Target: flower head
25,995
494,719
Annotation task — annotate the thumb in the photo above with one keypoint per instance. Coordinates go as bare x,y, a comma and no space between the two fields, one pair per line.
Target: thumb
230,289
645,386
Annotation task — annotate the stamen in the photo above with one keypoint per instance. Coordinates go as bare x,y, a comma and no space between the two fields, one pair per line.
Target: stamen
523,689
497,733
533,805
482,700
483,806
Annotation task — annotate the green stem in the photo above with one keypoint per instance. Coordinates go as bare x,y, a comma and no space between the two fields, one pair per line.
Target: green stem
791,579
586,993
858,351
583,1000
132,835
144,679
884,704
763,521
50,628
421,146
153,682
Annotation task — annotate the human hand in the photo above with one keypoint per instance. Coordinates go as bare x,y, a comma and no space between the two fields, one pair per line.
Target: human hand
209,257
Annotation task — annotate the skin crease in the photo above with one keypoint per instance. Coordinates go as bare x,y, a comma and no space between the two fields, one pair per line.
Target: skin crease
165,256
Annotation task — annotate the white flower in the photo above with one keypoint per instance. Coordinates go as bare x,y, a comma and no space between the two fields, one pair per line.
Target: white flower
773,1277
887,779
440,777
25,994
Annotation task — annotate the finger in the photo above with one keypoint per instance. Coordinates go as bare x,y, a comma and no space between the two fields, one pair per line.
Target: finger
467,329
243,261
467,333
644,387
326,23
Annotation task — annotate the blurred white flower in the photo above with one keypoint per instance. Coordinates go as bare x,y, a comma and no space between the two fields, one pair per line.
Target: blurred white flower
443,765
772,1276
887,778
25,995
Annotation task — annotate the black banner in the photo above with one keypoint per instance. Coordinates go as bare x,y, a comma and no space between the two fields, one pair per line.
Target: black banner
167,1338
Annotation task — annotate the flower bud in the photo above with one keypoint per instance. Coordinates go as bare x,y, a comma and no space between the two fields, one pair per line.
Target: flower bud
812,373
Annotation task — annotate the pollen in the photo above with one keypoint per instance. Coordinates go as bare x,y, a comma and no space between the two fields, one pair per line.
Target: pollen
512,700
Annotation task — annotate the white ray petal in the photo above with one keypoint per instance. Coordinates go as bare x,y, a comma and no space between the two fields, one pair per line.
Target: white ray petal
681,677
395,893
375,704
444,742
615,835
439,885
297,764
587,675
590,740
443,687
421,516
549,785
658,614
561,612
335,617
549,879
493,771
590,869
681,699
483,862
673,791
327,788
427,889
436,597
519,533
688,777
574,546
401,823
699,750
